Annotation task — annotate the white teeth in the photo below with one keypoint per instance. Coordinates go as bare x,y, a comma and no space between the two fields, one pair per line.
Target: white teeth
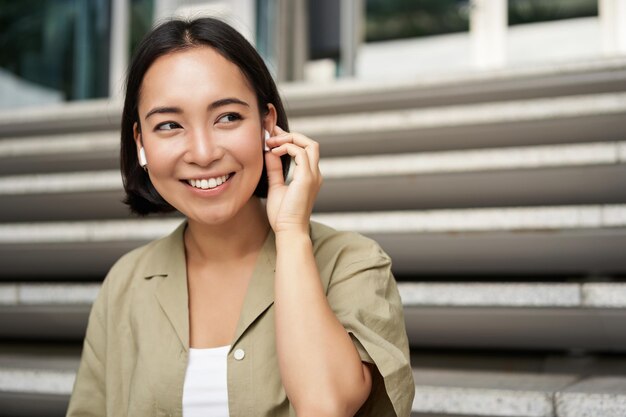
208,183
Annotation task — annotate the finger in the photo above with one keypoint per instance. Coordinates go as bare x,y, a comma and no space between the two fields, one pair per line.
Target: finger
299,139
299,154
274,168
311,146
311,151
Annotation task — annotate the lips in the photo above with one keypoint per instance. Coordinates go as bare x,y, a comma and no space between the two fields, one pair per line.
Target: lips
208,183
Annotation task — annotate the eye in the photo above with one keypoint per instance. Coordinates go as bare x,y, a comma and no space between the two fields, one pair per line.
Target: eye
167,126
229,118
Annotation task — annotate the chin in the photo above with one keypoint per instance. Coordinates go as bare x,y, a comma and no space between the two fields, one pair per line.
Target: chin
212,216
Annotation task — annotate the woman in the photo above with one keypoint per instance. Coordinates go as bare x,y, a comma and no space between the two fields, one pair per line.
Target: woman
248,308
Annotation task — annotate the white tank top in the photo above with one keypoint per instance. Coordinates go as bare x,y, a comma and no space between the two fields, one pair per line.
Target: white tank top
205,392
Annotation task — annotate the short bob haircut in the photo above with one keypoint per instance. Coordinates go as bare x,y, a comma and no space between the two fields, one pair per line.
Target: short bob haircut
175,36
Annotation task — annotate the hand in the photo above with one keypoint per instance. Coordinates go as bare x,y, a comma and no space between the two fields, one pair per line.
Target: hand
289,207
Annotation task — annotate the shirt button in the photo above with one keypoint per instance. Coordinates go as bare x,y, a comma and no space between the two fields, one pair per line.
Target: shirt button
239,354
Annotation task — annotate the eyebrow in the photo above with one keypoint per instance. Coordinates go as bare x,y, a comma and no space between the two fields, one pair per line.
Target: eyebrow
212,106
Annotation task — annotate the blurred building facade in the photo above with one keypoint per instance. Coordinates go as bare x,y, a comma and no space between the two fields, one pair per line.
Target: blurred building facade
67,50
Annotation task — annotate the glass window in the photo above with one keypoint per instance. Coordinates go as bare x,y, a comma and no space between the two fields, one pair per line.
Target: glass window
141,16
395,19
531,11
52,51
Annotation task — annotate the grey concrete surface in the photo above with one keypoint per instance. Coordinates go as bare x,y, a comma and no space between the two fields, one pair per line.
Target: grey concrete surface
502,159
612,295
599,396
390,222
439,392
487,393
490,294
527,176
359,125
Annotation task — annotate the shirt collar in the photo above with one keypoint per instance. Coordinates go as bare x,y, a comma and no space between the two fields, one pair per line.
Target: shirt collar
166,259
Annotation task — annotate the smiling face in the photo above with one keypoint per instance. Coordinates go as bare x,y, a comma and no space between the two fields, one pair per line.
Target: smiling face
202,134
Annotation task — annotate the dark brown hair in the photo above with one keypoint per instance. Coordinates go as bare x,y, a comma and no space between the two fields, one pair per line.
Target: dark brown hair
174,36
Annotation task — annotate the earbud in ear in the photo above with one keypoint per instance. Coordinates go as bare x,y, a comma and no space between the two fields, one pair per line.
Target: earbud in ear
267,136
142,158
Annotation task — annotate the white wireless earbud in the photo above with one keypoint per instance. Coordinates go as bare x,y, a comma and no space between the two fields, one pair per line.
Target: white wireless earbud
267,136
142,158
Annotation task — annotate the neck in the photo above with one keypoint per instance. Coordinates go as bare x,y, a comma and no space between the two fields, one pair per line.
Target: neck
230,241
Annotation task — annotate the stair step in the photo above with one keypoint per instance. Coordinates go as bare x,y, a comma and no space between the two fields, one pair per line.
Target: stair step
36,384
60,152
508,315
574,119
453,179
511,294
474,178
479,220
464,294
445,392
517,328
438,391
566,239
605,396
69,117
598,117
582,77
402,222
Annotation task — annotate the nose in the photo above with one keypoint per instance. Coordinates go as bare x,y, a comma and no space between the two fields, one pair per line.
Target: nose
202,148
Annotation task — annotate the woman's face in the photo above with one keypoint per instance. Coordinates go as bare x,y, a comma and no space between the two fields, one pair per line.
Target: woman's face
202,134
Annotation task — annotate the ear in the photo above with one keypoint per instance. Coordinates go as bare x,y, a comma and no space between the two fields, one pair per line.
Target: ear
137,136
269,120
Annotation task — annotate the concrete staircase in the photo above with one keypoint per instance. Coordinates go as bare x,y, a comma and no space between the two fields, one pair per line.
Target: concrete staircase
500,196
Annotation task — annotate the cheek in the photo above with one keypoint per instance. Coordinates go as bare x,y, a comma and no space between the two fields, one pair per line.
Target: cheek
162,160
249,149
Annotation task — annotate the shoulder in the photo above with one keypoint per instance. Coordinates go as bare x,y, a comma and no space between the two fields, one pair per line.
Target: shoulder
342,251
132,261
153,258
349,245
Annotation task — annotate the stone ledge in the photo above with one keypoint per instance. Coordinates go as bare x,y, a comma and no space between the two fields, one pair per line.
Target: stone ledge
462,115
354,87
599,396
89,113
59,144
505,159
479,220
46,294
71,182
490,295
487,393
502,159
518,219
477,294
611,295
413,294
383,123
37,381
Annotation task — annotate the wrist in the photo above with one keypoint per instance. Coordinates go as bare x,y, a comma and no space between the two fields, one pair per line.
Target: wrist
292,237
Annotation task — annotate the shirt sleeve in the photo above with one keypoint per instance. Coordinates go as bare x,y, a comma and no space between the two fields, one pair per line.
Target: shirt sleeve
88,394
364,296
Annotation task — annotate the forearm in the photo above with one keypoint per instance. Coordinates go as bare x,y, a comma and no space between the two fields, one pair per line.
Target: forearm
320,367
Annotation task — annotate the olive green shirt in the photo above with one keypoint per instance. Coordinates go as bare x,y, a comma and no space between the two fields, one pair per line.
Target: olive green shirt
136,347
